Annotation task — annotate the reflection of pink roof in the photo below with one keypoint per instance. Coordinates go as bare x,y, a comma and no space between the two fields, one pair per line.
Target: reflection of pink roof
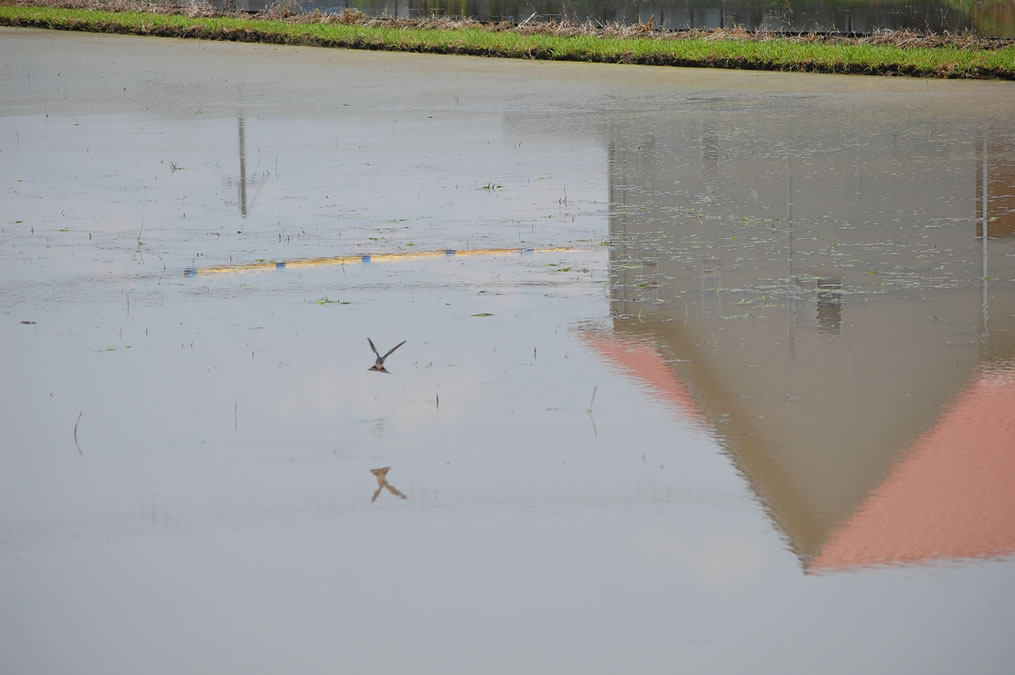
647,364
953,496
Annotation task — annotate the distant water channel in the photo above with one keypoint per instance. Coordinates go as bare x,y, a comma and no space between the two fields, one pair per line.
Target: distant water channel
983,17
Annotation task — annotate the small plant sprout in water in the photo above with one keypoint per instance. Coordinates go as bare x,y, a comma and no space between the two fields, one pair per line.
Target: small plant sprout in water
491,187
174,167
76,423
589,411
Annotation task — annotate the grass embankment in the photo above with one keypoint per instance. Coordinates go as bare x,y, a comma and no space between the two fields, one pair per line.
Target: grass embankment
655,48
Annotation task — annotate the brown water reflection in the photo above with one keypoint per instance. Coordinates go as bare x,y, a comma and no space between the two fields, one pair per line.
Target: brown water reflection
995,195
834,316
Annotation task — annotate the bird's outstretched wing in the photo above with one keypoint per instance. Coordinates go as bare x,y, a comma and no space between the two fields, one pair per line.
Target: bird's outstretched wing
374,348
393,349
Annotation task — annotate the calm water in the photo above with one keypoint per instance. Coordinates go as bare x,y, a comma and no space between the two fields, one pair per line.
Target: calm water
705,371
985,17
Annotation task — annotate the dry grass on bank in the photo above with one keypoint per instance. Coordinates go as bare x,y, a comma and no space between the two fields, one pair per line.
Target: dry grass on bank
885,53
290,11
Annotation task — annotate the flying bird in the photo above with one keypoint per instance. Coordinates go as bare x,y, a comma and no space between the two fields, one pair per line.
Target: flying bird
379,363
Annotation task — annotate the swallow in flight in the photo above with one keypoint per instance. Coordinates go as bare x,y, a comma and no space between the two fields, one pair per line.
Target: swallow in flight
379,363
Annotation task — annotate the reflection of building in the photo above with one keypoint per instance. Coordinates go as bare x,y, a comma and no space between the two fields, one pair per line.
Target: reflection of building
995,196
820,300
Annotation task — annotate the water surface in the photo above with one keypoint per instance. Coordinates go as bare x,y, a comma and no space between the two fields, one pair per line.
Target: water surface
705,371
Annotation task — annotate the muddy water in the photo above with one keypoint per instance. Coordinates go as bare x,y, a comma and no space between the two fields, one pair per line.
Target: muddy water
704,371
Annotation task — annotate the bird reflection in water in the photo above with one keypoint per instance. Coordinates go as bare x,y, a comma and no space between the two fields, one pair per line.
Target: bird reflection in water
382,483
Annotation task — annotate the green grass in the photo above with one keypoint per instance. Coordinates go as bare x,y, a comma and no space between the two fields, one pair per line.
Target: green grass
773,54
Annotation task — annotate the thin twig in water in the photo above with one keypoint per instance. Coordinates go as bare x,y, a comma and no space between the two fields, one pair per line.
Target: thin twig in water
593,397
438,397
76,422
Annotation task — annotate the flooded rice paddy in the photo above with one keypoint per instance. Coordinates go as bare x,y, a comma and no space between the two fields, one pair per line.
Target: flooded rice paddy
703,371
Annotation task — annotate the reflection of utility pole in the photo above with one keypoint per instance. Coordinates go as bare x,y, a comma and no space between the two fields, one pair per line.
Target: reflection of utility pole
830,305
792,302
243,166
859,171
984,309
242,181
